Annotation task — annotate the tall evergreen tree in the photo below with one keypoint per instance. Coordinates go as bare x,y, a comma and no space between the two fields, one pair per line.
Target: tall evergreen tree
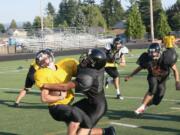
67,11
2,28
112,11
94,16
79,20
135,27
50,9
173,14
37,22
13,24
28,27
162,27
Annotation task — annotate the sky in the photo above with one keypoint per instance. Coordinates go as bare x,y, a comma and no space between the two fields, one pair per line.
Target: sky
26,10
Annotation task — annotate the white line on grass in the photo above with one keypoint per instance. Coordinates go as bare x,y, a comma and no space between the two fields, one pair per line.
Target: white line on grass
175,108
124,125
112,96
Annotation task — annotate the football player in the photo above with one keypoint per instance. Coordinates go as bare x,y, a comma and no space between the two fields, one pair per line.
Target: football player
115,55
29,82
158,65
89,81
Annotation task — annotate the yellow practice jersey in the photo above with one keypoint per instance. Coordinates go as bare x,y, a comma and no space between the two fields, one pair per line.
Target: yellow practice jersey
66,69
169,41
108,64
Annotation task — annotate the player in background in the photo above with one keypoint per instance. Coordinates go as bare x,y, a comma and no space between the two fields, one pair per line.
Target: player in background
115,56
158,64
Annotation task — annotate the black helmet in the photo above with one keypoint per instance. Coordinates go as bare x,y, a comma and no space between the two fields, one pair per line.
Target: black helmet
42,55
116,42
154,47
94,58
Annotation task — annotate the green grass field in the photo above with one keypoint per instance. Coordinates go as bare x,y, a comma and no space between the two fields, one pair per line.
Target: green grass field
32,117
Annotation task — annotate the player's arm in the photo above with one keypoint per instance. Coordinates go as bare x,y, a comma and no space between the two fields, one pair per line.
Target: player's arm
60,86
122,61
138,69
47,98
175,72
176,76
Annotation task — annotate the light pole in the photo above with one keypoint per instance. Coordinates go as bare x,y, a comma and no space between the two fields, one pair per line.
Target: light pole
151,21
42,26
41,14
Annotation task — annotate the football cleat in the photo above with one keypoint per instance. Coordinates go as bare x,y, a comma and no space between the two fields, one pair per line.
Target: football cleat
110,131
119,97
16,105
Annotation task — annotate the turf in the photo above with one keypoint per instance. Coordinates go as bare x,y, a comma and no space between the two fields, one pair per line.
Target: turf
32,117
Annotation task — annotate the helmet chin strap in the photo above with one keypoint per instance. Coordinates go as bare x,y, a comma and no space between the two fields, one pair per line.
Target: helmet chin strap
52,66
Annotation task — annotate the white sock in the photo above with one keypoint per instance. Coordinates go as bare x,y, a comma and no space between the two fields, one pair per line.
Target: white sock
143,106
110,80
118,91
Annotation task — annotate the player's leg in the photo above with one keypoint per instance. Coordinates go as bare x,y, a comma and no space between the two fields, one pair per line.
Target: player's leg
153,84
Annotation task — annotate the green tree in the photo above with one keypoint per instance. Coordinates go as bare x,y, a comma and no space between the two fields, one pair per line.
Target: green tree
173,14
135,27
144,7
50,9
28,27
2,29
37,22
67,11
162,27
79,20
49,19
112,11
13,24
89,1
94,16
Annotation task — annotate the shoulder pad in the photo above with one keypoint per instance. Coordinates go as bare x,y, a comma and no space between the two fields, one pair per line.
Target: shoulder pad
84,82
143,59
169,57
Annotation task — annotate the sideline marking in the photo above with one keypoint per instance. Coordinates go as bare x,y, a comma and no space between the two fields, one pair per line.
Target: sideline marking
124,125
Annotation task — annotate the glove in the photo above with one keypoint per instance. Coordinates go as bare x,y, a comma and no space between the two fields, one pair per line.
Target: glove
178,85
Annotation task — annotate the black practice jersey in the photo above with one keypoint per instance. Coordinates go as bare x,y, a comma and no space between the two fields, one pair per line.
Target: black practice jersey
160,67
90,82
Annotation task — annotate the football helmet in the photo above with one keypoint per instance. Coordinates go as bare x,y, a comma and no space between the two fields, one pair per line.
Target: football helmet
94,58
44,57
154,51
117,43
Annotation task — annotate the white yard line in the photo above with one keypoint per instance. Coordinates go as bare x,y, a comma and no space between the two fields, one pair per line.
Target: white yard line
112,96
13,71
124,125
175,108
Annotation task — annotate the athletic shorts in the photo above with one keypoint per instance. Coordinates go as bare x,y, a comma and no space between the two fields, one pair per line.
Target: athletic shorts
61,113
112,71
90,111
157,89
30,78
